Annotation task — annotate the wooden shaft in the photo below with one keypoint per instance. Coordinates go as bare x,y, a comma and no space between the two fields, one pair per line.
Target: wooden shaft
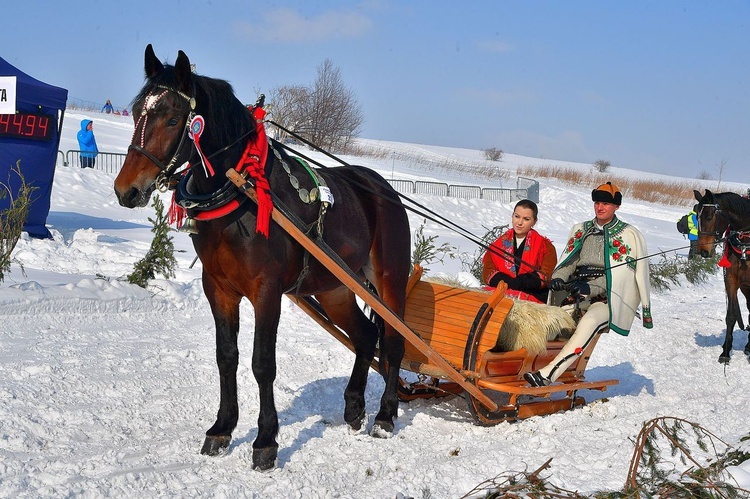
351,281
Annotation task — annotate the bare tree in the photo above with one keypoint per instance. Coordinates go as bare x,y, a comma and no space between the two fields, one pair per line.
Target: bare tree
720,168
327,114
602,165
288,107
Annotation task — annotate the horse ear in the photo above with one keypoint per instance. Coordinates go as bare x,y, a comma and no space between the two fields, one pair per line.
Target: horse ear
153,65
183,73
698,195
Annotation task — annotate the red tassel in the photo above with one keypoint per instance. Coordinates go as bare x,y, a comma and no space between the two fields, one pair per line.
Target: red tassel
724,262
254,161
176,214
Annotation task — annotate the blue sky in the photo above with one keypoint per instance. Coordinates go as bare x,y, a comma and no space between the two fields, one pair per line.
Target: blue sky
659,86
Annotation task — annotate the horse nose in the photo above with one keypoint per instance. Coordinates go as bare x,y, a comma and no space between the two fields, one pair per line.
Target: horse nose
705,254
130,198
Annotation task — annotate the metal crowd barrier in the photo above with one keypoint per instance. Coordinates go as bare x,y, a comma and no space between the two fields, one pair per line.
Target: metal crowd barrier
111,162
504,195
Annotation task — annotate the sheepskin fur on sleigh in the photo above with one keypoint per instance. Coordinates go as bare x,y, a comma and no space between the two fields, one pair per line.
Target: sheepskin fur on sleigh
530,325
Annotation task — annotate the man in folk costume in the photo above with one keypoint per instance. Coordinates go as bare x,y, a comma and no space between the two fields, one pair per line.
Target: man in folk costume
604,262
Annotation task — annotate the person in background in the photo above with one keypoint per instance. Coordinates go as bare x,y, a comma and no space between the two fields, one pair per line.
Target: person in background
521,257
604,262
87,144
125,111
107,108
693,233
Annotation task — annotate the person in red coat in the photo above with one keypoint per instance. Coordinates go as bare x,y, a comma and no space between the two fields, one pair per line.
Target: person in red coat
521,257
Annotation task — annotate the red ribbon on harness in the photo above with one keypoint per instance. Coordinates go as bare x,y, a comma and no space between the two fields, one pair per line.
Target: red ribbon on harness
254,161
195,131
176,214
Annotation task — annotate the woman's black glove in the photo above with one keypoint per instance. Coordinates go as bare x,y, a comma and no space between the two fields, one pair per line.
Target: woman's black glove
525,282
497,278
557,284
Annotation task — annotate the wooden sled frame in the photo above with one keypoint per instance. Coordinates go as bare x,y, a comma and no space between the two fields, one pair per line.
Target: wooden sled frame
436,346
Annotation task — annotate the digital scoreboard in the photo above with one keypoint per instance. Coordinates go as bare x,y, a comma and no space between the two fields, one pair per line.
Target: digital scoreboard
27,126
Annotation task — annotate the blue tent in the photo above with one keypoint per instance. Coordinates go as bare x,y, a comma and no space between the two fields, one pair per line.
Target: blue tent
37,156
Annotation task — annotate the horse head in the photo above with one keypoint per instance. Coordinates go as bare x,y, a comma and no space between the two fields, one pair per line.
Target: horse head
169,129
711,223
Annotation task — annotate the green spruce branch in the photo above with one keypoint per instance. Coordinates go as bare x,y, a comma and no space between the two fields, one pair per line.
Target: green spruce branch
160,256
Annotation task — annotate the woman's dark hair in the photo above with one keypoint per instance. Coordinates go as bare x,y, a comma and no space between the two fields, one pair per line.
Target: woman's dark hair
529,205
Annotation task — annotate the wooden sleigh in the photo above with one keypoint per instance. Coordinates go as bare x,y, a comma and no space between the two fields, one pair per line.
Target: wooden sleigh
451,334
463,327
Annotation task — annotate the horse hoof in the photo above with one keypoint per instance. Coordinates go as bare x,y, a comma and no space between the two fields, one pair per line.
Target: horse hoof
265,458
382,429
356,425
724,359
213,445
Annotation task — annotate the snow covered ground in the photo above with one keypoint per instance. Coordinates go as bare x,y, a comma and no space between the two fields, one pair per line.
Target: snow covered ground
107,389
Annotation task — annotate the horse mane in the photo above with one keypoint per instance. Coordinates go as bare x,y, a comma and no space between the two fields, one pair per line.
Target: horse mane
736,206
226,117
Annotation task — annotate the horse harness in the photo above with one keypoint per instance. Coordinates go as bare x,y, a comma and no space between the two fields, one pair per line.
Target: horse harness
739,242
227,198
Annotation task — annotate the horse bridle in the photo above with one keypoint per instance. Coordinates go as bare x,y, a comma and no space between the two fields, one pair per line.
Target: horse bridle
167,171
716,234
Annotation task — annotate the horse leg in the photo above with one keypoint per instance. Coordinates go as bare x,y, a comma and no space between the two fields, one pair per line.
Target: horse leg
746,292
390,365
733,308
390,262
341,307
226,312
267,313
391,355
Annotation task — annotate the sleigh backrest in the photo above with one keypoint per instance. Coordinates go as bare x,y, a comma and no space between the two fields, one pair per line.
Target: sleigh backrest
459,324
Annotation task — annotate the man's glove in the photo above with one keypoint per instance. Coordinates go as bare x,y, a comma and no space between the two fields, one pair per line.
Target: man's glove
579,288
557,284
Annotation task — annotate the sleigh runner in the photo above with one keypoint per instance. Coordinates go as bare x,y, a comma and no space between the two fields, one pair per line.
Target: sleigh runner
451,341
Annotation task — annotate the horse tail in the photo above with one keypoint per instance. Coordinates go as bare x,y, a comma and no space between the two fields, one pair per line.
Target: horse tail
379,325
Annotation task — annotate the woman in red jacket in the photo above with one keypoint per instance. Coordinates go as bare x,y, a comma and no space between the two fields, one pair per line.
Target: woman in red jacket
522,258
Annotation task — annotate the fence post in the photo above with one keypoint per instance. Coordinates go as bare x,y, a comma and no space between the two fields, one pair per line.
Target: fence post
532,191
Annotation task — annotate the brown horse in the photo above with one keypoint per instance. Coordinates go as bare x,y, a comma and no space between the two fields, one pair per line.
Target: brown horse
362,218
726,216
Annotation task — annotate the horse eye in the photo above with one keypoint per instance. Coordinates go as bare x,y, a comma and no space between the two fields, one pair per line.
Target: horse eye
172,122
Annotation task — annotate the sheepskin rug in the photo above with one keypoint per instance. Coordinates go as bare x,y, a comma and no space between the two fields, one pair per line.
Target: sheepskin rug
531,325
